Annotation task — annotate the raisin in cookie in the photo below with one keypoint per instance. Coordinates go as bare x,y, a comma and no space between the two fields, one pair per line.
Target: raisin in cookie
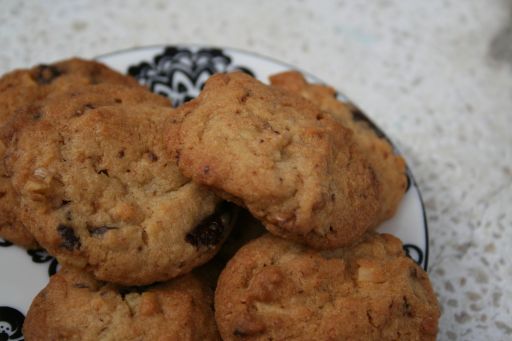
22,93
98,191
275,289
389,167
292,165
75,306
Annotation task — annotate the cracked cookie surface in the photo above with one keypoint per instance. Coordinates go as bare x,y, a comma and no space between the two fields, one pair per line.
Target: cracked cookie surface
75,306
99,192
293,166
22,92
274,289
389,167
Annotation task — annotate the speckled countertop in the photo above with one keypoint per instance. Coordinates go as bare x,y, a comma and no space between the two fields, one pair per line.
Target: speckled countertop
435,75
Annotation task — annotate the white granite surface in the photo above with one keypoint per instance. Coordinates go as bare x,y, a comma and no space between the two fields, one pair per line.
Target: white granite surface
435,75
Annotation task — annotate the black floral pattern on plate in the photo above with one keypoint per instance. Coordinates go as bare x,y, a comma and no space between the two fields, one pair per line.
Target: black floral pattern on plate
11,324
38,256
414,252
409,182
41,256
4,243
180,73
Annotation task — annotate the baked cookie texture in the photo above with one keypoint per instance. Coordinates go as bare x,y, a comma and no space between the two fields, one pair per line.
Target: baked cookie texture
20,88
75,306
22,93
389,167
11,228
98,191
275,289
292,165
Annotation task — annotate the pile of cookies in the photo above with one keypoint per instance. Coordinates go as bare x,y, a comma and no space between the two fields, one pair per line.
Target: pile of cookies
139,203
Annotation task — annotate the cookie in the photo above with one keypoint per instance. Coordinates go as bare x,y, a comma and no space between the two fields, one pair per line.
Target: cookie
22,92
20,88
389,167
11,229
75,306
292,165
275,289
99,192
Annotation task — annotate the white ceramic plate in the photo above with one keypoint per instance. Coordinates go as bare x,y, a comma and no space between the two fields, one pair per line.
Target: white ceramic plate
179,72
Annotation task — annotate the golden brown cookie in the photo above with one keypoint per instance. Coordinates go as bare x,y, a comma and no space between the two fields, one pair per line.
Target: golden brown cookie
11,229
22,93
389,167
292,165
75,306
275,289
98,191
20,88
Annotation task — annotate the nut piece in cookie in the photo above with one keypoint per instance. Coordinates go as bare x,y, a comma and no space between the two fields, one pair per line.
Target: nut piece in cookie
292,165
22,94
389,167
275,289
75,306
98,191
